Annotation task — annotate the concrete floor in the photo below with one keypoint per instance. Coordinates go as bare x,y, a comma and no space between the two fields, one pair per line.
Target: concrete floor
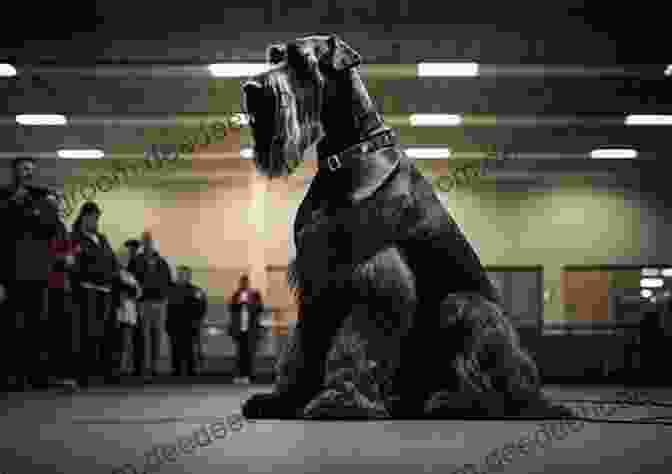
98,430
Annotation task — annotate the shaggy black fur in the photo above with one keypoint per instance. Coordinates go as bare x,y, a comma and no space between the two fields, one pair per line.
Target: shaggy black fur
397,317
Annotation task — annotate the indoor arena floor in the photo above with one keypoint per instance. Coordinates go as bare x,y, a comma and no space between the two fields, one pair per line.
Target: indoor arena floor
100,429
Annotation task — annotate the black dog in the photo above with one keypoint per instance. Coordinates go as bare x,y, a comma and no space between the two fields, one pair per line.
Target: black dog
397,317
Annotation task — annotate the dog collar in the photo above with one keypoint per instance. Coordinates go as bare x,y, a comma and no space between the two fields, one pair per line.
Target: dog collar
340,160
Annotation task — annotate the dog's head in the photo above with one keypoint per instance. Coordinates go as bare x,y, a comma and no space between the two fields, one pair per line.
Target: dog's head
284,103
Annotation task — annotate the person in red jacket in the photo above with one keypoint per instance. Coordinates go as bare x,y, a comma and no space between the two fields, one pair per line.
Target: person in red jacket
63,321
245,309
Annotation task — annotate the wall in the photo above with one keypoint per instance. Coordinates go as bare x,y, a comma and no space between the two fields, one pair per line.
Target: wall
565,221
223,219
226,217
569,225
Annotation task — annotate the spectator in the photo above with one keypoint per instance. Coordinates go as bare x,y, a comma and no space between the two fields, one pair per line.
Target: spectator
32,222
245,308
63,320
187,306
651,331
126,292
95,272
154,275
133,247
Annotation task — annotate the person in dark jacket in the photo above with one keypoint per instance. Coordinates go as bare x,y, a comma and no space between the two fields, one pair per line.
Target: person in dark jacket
155,277
30,223
95,274
246,307
651,333
187,306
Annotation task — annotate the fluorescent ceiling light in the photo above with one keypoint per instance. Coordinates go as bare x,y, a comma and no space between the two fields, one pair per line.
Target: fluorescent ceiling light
650,272
624,153
48,119
434,120
668,70
447,69
648,120
237,69
247,153
646,293
652,283
80,154
667,272
7,70
428,153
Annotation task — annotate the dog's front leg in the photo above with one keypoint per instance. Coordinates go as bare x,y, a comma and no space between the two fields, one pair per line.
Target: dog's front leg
359,365
291,392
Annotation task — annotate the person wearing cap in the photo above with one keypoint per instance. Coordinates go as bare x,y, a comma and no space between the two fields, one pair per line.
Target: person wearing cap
31,221
95,273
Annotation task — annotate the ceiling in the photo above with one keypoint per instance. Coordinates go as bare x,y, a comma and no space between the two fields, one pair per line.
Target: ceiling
532,101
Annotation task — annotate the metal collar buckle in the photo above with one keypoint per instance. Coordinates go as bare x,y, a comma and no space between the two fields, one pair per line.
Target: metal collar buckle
333,162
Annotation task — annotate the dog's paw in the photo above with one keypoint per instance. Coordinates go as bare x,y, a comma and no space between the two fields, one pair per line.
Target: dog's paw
546,409
344,403
446,404
460,405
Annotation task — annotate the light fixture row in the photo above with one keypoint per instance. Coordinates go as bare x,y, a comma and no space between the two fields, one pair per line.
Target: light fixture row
421,153
423,69
437,153
414,120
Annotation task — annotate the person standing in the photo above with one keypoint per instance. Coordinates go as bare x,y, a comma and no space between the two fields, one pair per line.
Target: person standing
133,247
187,306
63,319
652,344
95,273
153,273
31,223
245,308
126,292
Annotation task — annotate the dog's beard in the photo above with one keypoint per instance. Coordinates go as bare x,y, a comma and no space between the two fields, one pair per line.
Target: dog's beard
284,130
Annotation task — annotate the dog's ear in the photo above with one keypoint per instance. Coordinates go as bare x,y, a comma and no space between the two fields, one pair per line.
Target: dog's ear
341,55
276,53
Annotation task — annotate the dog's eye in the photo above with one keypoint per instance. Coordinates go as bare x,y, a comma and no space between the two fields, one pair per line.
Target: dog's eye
276,54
